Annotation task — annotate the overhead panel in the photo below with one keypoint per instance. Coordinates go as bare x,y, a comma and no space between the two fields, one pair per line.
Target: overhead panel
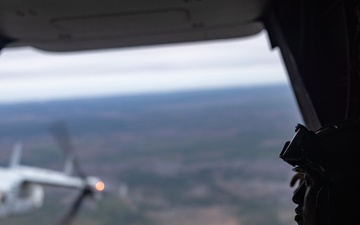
72,25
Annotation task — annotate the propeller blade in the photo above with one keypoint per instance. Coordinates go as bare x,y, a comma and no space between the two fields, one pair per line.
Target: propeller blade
62,137
74,209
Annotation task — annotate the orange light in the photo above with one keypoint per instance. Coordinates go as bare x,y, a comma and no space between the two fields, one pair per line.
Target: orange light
100,186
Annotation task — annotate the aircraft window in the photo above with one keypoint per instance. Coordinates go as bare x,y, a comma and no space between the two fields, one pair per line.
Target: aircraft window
180,134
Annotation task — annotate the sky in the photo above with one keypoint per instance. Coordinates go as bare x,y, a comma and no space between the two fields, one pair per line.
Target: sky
28,74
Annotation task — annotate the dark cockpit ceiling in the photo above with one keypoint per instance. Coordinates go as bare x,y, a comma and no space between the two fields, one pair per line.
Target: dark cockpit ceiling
72,25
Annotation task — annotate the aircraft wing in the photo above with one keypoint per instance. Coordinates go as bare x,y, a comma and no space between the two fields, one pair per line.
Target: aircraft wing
47,177
318,39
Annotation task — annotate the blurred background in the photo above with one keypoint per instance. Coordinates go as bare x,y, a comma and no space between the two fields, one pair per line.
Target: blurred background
185,134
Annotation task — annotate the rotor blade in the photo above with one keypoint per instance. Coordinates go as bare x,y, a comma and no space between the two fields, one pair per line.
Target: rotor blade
62,137
69,217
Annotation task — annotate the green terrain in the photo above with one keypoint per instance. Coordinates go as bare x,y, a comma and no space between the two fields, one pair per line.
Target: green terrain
187,158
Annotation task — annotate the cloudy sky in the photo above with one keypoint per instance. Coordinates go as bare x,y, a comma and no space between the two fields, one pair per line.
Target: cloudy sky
31,75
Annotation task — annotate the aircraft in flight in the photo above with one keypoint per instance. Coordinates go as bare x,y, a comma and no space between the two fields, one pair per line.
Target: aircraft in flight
21,189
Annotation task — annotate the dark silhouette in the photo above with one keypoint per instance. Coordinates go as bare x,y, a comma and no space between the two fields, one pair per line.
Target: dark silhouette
328,171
